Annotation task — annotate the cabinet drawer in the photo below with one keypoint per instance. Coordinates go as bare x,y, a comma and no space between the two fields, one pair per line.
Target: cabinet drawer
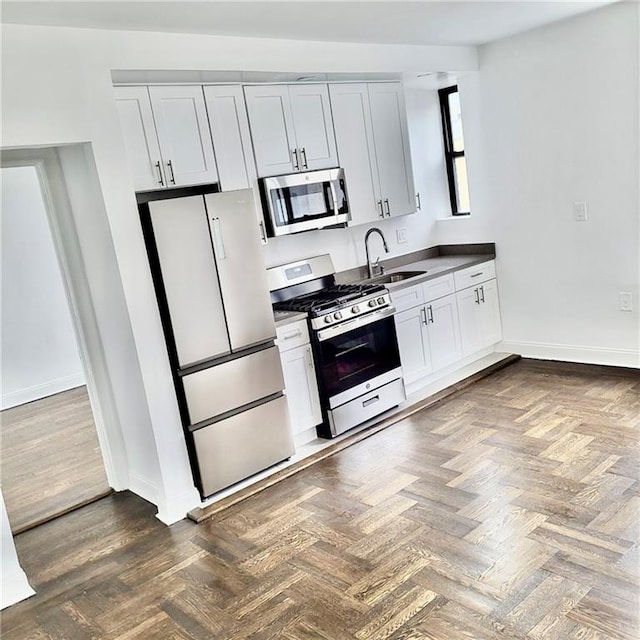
473,275
407,298
292,335
232,384
233,449
438,288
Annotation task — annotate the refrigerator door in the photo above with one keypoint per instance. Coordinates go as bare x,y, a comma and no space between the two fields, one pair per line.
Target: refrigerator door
227,386
190,279
233,449
243,277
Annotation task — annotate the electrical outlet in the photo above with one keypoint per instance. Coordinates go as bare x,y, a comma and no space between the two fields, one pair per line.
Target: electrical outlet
401,235
580,211
626,301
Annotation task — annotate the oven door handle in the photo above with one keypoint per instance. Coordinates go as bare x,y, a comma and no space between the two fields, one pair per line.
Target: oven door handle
356,323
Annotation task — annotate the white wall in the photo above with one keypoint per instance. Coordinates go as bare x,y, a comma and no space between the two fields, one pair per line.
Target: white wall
39,347
552,119
69,100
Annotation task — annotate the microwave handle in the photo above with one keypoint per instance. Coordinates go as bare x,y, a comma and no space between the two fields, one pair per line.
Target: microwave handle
334,197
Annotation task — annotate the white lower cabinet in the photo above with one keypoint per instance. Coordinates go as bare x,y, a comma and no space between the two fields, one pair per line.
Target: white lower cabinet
428,333
413,344
301,386
479,313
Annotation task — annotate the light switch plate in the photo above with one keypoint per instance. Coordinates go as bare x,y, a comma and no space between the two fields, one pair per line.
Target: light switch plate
580,211
626,301
401,235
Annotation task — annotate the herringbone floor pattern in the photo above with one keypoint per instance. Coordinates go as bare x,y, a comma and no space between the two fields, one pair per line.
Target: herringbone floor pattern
507,512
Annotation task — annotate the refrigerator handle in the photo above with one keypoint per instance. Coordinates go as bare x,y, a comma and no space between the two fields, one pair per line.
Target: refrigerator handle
218,240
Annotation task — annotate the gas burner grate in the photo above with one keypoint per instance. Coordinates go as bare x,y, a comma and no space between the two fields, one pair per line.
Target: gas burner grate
329,297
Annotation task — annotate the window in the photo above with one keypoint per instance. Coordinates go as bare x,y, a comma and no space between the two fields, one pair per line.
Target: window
454,151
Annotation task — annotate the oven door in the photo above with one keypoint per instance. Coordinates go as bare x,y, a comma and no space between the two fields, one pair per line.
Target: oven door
357,352
305,201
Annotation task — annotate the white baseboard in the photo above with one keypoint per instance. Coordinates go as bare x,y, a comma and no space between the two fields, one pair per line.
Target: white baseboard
573,353
143,488
15,587
171,513
38,391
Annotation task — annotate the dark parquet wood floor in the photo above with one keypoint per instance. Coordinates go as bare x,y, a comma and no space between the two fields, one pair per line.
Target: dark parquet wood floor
50,460
509,511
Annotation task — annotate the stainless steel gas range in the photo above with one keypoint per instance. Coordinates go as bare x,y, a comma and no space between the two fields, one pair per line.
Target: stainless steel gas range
353,337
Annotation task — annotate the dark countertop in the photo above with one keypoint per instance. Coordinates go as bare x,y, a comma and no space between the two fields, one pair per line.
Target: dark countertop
435,262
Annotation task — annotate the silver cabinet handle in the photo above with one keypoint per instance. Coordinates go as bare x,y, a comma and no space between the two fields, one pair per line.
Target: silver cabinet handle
172,177
296,161
475,275
293,334
218,240
263,235
309,358
482,294
381,209
423,315
386,201
418,205
303,155
476,295
160,178
430,312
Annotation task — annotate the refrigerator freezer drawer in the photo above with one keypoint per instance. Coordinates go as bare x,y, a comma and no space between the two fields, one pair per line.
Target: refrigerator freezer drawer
233,449
232,384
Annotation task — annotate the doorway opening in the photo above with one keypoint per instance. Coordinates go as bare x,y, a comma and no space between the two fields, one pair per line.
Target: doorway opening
51,459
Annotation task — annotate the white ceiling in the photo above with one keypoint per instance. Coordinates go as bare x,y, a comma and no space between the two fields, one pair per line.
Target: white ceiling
440,22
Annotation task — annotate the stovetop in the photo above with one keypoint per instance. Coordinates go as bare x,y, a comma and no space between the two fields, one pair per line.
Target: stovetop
335,297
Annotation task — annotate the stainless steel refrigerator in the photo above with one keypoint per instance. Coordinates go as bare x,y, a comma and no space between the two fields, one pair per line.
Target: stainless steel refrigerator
206,262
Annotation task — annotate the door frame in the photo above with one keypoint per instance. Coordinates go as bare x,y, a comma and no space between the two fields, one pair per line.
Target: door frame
69,255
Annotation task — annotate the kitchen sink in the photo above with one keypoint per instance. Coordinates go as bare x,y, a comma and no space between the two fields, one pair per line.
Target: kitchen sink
398,276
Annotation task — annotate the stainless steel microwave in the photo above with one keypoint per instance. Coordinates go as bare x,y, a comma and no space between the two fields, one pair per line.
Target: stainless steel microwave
304,201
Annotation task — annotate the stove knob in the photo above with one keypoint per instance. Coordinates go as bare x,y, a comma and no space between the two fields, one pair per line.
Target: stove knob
355,309
380,301
328,319
373,303
337,315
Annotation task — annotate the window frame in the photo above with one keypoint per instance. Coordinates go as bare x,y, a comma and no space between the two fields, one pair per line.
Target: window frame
449,154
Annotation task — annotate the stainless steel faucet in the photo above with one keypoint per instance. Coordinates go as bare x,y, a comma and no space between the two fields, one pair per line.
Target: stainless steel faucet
372,269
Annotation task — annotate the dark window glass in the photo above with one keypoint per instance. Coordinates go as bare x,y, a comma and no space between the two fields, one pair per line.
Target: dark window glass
454,151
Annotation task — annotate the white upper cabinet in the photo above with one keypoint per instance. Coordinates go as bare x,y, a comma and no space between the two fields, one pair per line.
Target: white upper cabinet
230,134
183,133
352,121
373,145
393,154
140,138
166,136
291,128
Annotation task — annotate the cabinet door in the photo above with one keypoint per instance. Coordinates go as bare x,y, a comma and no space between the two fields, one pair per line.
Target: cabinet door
354,138
413,344
468,314
489,313
301,388
272,131
393,156
243,277
140,138
313,126
230,134
183,133
444,331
